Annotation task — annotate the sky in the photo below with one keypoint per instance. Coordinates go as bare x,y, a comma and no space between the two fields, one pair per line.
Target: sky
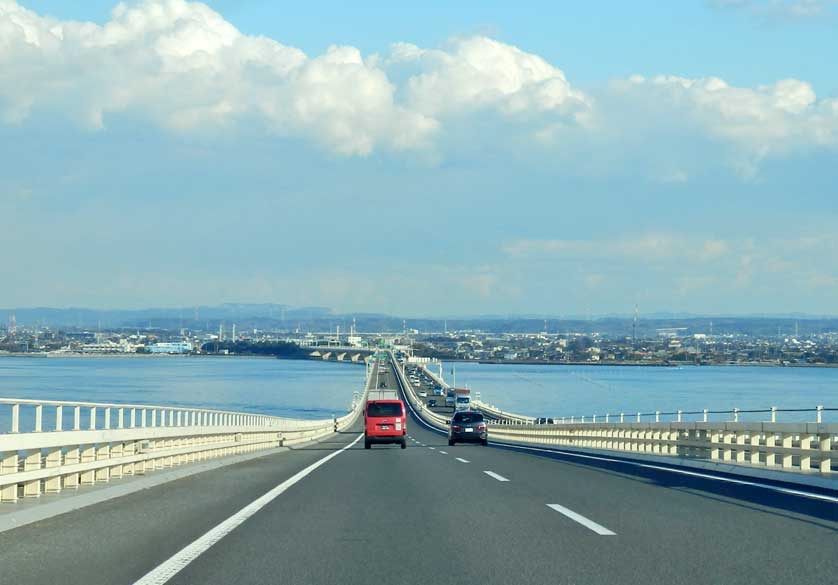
426,159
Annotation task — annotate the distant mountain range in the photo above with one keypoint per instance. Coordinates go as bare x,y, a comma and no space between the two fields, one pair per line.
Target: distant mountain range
276,317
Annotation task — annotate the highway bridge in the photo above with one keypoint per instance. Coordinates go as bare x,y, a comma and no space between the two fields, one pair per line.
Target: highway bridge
219,498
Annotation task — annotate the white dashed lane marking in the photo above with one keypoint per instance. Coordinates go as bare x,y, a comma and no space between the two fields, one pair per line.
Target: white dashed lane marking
461,460
598,528
444,452
495,475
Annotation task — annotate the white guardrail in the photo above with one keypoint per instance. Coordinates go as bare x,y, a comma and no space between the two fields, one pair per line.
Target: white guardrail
84,443
788,446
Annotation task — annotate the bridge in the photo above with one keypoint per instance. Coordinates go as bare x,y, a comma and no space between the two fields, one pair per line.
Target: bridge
115,493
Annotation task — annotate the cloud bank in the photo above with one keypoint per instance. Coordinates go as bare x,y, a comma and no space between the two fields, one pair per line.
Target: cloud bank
182,66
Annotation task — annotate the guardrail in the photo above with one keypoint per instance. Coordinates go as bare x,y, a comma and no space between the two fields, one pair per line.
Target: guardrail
802,447
72,444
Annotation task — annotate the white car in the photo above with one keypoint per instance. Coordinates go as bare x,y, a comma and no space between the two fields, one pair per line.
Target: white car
423,394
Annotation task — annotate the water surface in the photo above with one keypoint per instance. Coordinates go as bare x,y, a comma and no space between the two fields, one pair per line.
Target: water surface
542,390
290,388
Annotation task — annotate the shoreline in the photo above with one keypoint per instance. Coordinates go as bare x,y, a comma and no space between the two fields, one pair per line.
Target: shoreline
641,364
64,355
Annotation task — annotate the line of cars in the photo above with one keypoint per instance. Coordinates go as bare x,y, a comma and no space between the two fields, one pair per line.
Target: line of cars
423,383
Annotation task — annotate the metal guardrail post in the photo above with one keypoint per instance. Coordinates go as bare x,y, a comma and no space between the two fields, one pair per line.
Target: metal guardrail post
773,414
819,414
15,418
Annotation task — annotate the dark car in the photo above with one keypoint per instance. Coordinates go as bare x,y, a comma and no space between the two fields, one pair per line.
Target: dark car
432,402
544,421
468,426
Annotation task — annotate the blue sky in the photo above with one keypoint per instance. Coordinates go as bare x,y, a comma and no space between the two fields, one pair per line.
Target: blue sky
433,159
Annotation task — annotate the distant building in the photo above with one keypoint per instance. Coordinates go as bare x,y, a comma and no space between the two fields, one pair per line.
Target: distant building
170,347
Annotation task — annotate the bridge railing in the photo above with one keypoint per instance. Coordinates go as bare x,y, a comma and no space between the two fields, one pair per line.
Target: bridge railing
48,446
803,447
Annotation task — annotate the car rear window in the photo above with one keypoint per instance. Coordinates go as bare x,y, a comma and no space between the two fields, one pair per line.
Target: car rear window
384,409
468,417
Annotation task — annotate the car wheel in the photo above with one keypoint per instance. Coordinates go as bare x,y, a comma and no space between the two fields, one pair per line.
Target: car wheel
404,444
367,445
484,442
450,442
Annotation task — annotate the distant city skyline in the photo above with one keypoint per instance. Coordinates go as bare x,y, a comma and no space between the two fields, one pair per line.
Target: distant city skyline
433,159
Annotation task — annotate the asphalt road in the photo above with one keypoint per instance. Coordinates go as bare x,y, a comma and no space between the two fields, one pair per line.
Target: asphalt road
437,514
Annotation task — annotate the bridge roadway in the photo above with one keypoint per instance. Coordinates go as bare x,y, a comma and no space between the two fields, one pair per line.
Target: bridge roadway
436,514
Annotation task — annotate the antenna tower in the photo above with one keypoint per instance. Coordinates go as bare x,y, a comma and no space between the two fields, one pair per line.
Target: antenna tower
634,329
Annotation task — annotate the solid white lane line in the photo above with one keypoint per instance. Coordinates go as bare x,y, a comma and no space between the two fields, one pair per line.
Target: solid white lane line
461,460
782,490
495,475
444,452
169,568
598,528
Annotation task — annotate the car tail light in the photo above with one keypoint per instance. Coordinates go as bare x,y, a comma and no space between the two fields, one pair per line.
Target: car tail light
456,428
481,427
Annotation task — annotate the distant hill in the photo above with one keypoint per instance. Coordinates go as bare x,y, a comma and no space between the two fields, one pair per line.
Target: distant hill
276,317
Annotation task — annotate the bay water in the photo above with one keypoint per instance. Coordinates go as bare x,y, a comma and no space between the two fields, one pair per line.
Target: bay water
288,388
559,390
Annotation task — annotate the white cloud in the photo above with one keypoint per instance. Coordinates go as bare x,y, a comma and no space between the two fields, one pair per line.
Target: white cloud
730,274
182,65
769,120
642,247
480,72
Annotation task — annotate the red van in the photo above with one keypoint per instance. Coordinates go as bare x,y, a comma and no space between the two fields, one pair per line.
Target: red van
385,422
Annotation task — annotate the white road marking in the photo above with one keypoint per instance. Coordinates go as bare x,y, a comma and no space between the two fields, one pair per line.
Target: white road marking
169,568
444,452
598,528
432,448
461,460
775,488
495,475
